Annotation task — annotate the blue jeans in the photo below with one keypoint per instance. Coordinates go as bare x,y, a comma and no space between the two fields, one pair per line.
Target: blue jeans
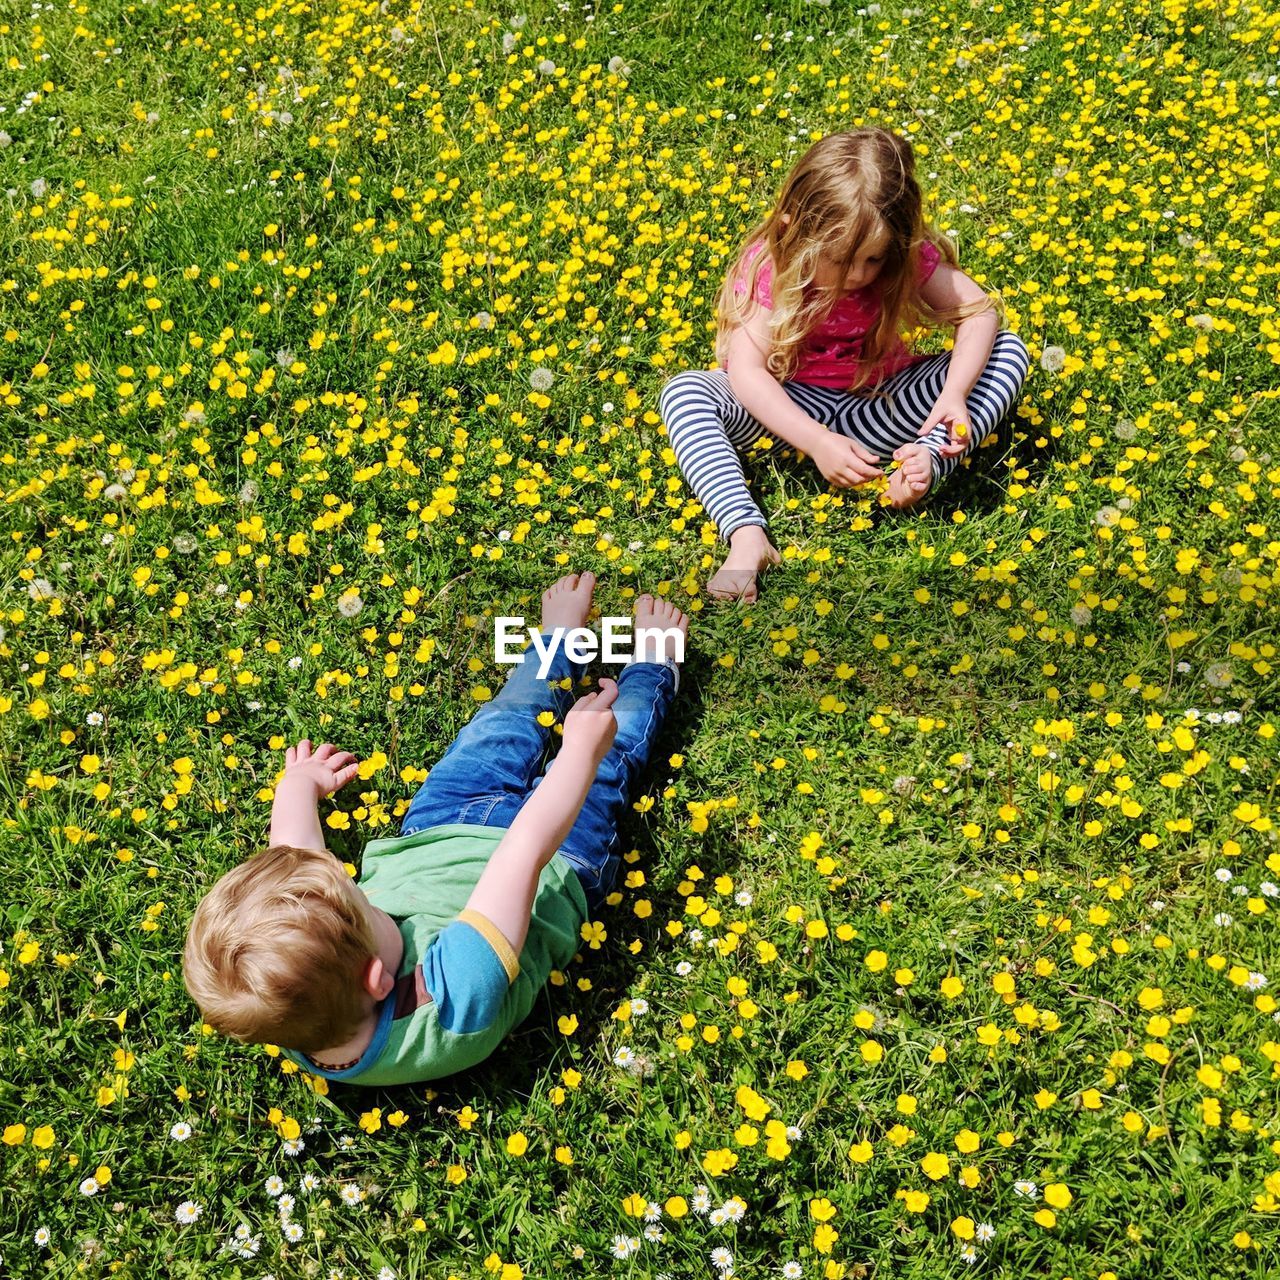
497,761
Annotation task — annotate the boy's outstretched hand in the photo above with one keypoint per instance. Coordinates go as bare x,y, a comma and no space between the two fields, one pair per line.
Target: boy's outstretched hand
590,726
327,767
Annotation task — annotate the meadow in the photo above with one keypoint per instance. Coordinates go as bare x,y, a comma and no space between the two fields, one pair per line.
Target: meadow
330,329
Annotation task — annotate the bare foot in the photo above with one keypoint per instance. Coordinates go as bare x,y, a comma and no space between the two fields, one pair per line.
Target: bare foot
660,630
911,482
567,603
750,551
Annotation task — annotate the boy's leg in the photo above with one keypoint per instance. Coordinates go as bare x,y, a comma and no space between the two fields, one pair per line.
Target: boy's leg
491,765
891,416
645,693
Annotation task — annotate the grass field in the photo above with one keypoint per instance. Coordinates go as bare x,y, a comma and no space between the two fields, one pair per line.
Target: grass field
946,938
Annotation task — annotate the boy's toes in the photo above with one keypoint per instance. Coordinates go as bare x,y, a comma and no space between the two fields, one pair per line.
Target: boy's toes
567,602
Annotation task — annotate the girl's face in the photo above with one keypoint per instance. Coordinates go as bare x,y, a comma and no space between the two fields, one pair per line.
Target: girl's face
866,266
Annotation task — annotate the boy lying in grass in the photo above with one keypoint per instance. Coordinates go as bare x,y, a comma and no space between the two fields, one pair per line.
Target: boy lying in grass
422,968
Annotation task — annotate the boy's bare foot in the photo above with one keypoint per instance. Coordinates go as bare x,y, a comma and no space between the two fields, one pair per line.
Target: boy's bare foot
750,551
567,603
911,482
660,629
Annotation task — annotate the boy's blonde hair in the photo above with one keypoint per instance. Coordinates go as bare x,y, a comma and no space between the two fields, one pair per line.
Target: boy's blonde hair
846,188
276,951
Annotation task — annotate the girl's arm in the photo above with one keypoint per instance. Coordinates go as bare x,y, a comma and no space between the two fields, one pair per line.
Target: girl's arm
840,460
759,392
948,288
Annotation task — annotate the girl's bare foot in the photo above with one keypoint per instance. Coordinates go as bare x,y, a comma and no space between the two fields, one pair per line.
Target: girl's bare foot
750,551
660,629
911,482
567,603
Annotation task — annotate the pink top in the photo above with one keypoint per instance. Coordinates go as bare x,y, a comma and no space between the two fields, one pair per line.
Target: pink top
830,355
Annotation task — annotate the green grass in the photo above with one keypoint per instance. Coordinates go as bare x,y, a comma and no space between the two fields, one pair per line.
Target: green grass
896,703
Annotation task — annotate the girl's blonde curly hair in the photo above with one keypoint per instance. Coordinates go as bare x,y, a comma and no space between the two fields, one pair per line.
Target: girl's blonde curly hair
846,189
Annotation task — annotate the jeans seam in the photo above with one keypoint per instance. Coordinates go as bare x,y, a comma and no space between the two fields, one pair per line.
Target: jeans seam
490,803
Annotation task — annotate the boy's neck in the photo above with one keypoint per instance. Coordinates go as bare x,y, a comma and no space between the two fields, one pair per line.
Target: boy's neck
390,947
349,1052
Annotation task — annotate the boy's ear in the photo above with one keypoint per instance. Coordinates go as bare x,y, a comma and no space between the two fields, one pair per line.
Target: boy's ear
378,982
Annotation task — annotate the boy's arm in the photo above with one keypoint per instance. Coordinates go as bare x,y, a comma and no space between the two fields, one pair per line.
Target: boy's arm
308,775
505,891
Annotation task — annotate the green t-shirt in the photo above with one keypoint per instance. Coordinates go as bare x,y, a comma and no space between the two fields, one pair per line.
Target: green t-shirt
423,881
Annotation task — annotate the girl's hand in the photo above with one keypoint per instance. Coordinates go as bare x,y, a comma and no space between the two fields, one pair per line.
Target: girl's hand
844,462
590,726
952,412
326,767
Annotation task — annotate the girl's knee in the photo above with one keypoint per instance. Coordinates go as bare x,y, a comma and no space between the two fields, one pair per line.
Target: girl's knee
693,382
1012,351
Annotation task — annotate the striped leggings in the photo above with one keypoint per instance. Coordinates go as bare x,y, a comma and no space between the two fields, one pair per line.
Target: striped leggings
708,427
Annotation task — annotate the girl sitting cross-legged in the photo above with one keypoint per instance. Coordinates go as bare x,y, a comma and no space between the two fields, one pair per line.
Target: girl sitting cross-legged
809,348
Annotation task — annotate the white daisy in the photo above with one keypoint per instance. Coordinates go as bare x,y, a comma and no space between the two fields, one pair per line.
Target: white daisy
187,1212
722,1260
180,1131
792,1270
274,1185
1026,1188
293,1232
89,1187
42,1237
984,1233
622,1247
